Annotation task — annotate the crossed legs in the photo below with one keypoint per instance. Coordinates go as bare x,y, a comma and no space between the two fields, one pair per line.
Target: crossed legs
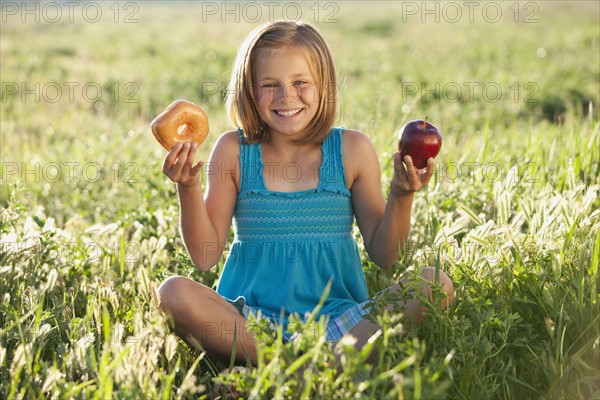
202,316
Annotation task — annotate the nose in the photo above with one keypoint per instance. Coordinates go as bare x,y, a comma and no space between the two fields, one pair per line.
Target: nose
288,94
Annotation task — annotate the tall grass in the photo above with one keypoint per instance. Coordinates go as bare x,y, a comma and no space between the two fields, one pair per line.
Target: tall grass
89,226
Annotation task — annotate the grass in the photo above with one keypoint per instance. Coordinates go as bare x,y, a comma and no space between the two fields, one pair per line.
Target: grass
89,225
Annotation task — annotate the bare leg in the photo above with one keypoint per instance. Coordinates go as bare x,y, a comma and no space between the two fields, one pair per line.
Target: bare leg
412,309
201,316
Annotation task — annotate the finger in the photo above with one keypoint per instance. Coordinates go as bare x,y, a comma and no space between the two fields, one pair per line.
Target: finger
398,166
189,160
411,170
195,170
429,171
430,164
171,158
181,159
413,174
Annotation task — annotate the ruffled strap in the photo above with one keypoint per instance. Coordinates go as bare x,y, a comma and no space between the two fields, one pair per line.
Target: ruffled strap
251,166
332,170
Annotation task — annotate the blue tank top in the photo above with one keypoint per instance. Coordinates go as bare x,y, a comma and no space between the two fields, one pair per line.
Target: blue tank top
288,246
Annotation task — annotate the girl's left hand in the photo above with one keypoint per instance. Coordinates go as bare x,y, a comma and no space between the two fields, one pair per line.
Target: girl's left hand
408,179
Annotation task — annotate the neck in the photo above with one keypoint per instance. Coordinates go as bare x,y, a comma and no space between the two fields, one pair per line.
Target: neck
286,143
284,148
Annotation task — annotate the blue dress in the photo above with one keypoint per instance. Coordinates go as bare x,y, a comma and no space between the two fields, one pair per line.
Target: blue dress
288,246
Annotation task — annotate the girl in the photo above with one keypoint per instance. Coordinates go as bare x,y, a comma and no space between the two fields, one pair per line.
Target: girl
292,185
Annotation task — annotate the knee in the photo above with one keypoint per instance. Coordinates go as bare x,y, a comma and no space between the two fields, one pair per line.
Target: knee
171,293
428,273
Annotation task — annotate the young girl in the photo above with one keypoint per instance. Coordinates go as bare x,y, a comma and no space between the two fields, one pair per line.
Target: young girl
292,185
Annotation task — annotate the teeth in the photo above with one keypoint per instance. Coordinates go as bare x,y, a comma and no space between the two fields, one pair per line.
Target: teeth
288,113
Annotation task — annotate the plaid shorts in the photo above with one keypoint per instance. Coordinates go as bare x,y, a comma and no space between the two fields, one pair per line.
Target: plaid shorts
341,325
335,329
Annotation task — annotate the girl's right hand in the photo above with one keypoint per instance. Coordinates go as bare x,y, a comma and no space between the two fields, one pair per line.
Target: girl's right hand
178,164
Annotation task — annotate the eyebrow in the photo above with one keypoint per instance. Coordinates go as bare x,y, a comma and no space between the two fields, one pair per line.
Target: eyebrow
293,76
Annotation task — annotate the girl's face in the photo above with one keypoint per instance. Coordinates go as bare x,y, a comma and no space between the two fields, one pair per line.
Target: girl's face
285,89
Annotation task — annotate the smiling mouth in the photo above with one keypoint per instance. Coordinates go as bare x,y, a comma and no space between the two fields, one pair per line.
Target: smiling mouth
287,113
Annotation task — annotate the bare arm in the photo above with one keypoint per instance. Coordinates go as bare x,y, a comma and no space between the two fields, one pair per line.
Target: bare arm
384,225
205,220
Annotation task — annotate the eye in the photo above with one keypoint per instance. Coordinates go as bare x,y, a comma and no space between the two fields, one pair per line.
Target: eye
300,83
268,85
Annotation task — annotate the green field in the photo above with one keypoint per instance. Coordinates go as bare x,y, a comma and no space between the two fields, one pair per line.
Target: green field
89,225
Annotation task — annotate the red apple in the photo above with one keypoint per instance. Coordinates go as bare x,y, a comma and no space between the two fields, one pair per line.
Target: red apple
420,140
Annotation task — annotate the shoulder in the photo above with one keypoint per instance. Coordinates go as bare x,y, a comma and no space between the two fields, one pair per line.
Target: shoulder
224,160
359,155
356,138
229,139
227,146
356,144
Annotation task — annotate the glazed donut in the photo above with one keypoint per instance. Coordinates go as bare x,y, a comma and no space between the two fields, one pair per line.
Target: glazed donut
182,121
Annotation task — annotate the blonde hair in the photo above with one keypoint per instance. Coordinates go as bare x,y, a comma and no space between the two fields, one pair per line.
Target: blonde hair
241,99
